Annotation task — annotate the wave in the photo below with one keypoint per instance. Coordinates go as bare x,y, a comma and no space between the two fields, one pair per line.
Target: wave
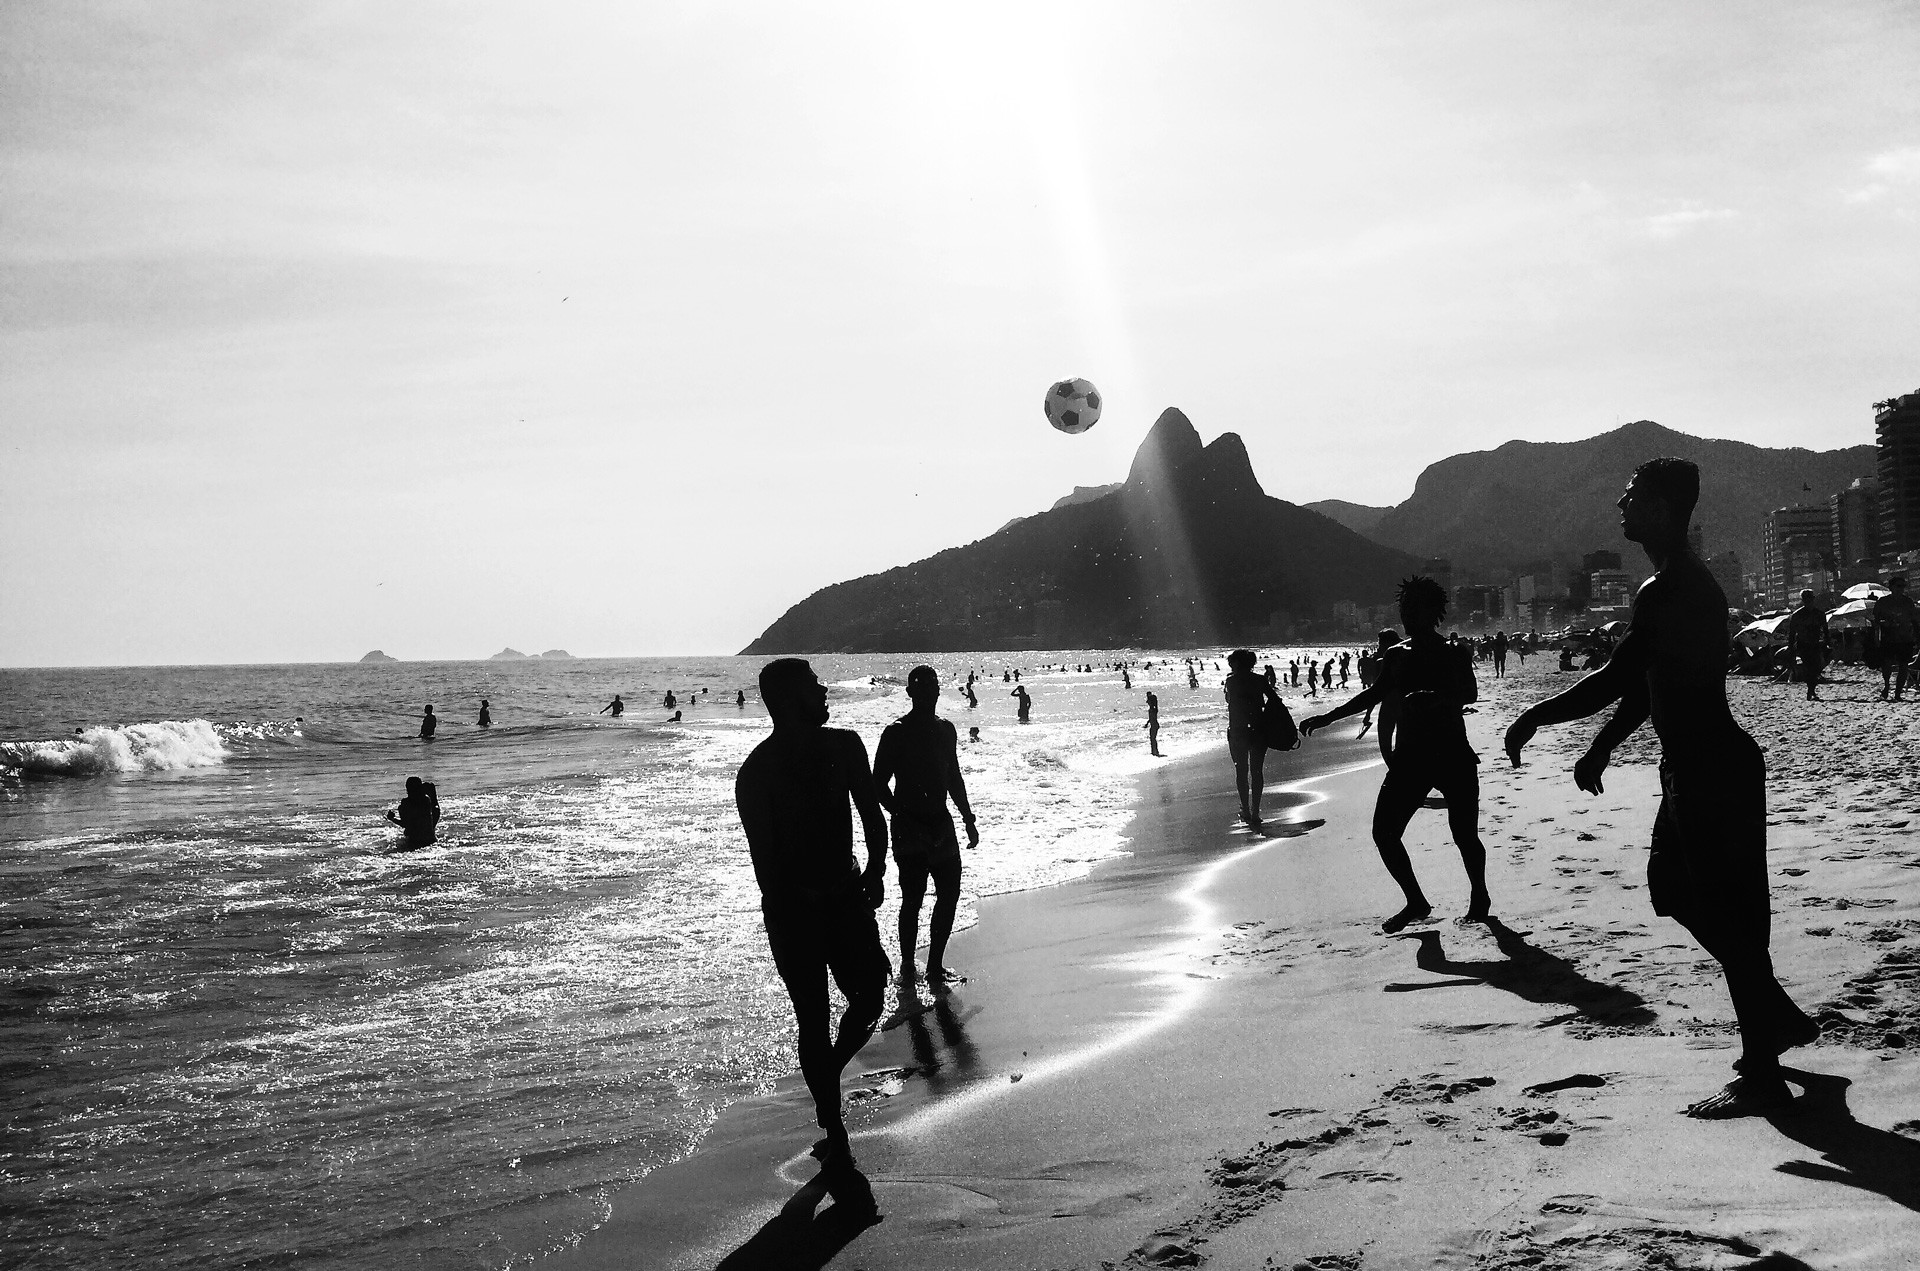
166,746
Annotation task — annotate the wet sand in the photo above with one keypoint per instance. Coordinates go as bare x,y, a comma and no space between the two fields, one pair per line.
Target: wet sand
1207,1054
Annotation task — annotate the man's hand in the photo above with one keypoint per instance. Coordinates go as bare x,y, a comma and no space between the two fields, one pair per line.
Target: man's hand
973,834
1586,772
1519,733
874,882
1310,723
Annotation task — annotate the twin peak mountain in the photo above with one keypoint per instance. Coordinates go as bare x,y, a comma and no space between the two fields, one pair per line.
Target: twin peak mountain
1188,550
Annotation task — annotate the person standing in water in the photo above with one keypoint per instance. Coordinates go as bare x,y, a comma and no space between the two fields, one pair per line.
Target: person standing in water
793,793
1246,695
739,697
428,722
916,767
1026,702
486,714
417,815
1424,683
618,708
1708,866
1153,724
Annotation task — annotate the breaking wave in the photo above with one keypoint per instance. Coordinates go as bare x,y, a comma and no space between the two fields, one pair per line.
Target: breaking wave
167,746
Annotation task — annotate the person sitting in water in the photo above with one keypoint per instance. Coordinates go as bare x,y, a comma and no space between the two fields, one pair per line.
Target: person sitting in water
486,714
619,708
674,718
418,813
428,722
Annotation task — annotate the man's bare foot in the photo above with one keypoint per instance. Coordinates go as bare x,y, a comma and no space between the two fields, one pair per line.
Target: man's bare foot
1479,908
1745,1097
833,1150
1412,913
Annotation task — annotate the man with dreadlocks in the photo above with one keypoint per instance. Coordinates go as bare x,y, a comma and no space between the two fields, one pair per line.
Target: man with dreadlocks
1708,867
1423,682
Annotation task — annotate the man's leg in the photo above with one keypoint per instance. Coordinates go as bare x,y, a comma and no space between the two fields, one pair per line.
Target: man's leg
1399,797
1237,750
859,967
1256,776
946,900
798,956
1463,818
913,889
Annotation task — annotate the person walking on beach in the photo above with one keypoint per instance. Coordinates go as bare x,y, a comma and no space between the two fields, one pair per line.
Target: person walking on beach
1896,622
418,814
1313,672
1807,637
1247,696
1424,683
793,794
486,714
1708,867
915,767
1346,661
619,708
1499,655
1026,702
428,722
1153,724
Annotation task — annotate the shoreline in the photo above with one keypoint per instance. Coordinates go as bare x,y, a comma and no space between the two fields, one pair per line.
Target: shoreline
1100,960
1460,1096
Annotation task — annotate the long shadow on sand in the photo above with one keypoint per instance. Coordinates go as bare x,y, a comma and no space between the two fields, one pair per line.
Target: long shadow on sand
1531,973
797,1238
1857,1155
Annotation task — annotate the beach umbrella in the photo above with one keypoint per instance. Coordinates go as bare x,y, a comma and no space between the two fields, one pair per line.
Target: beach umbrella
1764,633
1614,628
1865,591
1855,613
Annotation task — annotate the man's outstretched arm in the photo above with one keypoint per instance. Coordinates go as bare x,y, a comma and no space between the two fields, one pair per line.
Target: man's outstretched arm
1633,711
1367,699
1590,695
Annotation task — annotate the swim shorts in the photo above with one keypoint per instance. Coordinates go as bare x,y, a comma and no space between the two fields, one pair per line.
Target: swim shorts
837,936
1709,859
915,842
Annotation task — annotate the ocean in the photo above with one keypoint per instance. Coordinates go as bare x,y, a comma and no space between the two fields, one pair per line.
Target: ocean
243,1029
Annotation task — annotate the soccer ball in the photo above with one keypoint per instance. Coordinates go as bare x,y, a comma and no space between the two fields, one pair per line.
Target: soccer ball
1073,406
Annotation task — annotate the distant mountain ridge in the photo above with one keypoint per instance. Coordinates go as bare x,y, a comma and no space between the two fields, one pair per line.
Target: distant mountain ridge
1189,548
1497,509
1357,517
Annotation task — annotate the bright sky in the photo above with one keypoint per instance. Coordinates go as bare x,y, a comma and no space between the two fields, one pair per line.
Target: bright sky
620,328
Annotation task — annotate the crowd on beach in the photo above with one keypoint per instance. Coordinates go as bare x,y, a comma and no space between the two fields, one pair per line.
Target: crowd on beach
800,789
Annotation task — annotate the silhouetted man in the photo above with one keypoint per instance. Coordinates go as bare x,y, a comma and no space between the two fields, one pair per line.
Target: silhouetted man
1247,696
1499,654
428,722
793,792
1424,681
617,708
1708,867
418,814
1153,724
915,767
1807,637
1026,702
486,714
1896,622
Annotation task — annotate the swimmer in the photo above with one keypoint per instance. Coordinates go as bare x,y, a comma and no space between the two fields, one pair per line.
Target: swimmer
428,722
618,708
418,814
486,714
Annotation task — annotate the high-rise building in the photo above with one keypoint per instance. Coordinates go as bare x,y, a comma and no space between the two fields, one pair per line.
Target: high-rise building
1600,560
1896,429
1855,512
1725,569
1798,546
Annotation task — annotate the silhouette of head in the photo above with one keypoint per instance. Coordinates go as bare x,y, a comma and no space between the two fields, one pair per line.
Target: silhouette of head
429,710
923,686
793,694
1898,582
413,786
1423,602
1806,597
1658,501
483,701
1241,660
973,734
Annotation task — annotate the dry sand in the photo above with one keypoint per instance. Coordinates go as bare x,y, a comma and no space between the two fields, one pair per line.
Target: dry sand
1207,1054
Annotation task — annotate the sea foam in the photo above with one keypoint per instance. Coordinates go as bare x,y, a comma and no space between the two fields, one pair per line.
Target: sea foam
165,746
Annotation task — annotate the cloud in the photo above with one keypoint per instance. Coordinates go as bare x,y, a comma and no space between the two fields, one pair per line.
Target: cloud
1684,218
1887,172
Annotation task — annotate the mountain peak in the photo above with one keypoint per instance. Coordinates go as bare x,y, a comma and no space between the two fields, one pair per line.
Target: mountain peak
1172,449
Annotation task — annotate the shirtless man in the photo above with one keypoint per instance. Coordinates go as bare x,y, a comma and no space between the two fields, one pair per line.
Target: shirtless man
915,767
1708,867
793,793
1807,637
1896,622
1424,681
1246,695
